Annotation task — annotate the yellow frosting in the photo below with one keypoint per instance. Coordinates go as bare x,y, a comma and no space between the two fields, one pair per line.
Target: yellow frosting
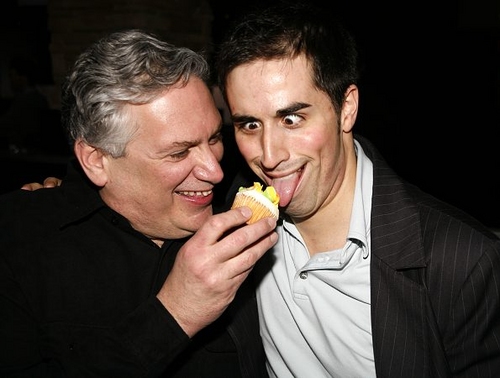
270,193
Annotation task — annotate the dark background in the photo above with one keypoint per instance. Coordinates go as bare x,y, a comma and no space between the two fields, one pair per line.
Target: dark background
430,93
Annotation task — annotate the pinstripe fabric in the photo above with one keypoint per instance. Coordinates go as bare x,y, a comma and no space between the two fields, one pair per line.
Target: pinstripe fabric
435,280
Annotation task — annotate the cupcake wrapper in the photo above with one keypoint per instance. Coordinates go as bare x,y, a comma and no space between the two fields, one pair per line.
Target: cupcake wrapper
259,210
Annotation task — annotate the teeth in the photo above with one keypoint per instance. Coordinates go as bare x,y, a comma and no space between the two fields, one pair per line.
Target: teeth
194,194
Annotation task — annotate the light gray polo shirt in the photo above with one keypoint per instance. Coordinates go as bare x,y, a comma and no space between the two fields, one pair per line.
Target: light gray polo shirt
315,311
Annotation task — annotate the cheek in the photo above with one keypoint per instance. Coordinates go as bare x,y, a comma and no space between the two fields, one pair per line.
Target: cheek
249,147
170,177
153,179
313,143
320,139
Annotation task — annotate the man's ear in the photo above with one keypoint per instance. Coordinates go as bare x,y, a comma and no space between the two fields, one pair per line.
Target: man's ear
92,161
350,108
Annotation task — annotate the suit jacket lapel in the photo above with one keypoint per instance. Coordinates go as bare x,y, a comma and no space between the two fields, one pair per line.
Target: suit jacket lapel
400,319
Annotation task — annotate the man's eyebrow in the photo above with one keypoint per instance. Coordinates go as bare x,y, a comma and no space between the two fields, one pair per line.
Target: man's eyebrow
242,118
184,143
194,142
295,107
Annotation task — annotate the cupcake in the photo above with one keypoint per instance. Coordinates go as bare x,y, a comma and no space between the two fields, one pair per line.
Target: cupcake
264,203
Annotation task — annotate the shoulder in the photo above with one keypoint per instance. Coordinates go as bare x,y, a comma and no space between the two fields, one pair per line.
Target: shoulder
407,218
26,214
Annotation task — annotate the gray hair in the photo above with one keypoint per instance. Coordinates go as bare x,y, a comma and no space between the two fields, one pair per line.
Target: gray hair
126,67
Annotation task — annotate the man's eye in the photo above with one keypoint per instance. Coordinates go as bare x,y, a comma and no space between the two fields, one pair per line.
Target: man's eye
249,126
291,119
216,138
179,155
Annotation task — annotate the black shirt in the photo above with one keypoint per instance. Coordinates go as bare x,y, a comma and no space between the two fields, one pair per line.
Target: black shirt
78,296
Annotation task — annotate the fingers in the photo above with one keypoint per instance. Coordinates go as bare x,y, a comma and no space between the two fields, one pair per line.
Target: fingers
234,245
49,182
219,226
243,247
211,266
32,186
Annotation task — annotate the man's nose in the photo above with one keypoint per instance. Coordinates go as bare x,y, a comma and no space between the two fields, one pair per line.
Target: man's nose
273,144
208,168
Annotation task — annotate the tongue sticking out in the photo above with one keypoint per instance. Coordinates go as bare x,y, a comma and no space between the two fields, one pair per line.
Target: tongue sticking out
286,188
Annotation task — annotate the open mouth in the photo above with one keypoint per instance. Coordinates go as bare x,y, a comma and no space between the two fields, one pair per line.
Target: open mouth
287,185
203,193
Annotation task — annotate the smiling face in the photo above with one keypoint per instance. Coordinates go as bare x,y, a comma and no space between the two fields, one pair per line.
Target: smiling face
163,185
289,133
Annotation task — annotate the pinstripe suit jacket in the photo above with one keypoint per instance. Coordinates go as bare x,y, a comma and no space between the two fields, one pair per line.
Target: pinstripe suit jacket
435,282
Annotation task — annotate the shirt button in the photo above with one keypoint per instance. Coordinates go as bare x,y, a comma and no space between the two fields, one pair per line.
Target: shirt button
303,275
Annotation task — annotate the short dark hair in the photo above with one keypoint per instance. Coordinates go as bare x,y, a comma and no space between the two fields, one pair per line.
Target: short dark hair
286,30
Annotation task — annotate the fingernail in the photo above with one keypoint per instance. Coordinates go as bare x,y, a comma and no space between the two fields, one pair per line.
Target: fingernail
246,211
274,237
271,221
